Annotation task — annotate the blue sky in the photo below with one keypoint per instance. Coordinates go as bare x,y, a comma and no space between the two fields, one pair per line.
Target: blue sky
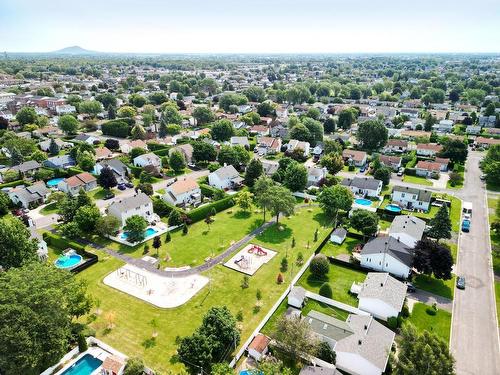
239,26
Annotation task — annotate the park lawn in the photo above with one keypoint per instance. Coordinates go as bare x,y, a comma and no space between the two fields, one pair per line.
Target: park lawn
439,324
340,279
443,288
334,250
384,224
417,180
132,316
49,209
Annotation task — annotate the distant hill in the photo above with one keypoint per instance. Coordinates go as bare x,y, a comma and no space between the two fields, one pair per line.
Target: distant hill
75,50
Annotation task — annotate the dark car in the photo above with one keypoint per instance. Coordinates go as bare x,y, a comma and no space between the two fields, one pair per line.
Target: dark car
129,184
362,169
122,187
461,282
465,225
410,288
109,195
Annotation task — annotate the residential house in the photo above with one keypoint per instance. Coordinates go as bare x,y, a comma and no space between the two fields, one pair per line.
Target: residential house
29,196
27,169
259,347
225,178
410,112
240,141
260,130
396,146
444,126
148,159
72,185
60,162
487,121
277,129
269,167
407,229
363,186
315,175
338,235
473,129
354,157
42,250
361,344
444,162
411,198
102,153
317,151
113,365
297,297
427,168
45,145
120,170
89,139
65,109
127,146
393,162
486,142
139,204
428,149
381,295
183,192
317,370
387,254
268,145
186,150
294,144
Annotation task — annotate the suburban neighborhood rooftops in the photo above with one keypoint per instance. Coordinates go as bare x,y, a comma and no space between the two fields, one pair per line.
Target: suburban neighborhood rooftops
80,179
362,183
26,166
129,203
260,343
428,165
429,146
355,155
184,185
422,194
316,370
410,225
382,286
391,246
227,172
328,326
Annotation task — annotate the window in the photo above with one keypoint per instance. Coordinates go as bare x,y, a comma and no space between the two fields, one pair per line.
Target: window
402,195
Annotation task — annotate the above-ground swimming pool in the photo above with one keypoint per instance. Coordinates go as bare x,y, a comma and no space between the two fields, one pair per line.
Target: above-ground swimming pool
68,261
54,182
363,201
147,233
393,208
84,366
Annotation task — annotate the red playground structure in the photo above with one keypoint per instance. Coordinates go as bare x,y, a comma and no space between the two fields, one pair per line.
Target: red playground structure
257,250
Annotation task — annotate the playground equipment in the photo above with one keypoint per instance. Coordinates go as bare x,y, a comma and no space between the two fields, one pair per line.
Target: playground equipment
132,277
242,262
257,250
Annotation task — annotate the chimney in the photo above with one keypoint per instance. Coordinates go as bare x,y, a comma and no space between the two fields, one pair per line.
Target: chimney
366,327
381,284
359,342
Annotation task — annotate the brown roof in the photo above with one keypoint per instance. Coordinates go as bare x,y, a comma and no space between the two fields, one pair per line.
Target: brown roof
181,186
397,143
442,160
260,343
428,165
488,141
80,179
385,159
429,146
354,154
113,364
103,152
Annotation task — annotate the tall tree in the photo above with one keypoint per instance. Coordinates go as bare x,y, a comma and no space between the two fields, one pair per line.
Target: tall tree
440,224
176,161
253,172
433,258
263,193
332,162
335,198
135,226
365,222
372,134
456,150
295,337
283,201
68,124
16,246
26,115
296,177
53,147
107,178
222,130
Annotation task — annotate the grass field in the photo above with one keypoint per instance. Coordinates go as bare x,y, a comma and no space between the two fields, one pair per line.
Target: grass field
340,279
460,185
417,180
132,317
443,288
333,250
49,209
439,324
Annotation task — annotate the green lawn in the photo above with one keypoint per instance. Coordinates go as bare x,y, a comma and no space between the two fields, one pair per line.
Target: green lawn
340,279
333,250
49,209
453,249
461,170
443,288
99,193
132,317
417,180
497,297
439,324
495,250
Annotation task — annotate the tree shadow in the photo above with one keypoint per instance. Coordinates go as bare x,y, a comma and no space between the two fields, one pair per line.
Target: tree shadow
316,282
149,343
254,225
174,359
242,215
274,235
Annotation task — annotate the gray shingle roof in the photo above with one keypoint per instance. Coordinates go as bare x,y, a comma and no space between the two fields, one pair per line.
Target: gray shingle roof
410,225
316,370
382,286
362,183
27,166
328,326
422,195
129,203
227,172
391,246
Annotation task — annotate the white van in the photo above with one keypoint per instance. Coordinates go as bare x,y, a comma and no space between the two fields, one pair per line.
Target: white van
467,210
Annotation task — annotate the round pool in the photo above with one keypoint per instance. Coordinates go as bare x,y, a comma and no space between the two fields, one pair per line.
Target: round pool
54,182
147,233
68,261
363,201
393,208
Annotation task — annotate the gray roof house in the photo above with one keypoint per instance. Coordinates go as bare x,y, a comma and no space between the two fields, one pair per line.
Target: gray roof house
338,235
407,229
296,297
29,196
226,177
62,161
26,168
316,370
139,204
120,170
387,254
363,186
240,141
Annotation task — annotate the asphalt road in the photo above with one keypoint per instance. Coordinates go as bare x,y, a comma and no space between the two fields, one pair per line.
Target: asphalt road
474,337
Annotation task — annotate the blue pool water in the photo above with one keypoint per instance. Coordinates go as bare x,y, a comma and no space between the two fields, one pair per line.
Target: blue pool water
363,201
147,233
84,366
393,208
68,261
54,182
246,372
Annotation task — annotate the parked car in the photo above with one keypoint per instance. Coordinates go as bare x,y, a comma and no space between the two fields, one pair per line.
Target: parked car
109,195
401,171
362,169
122,187
410,288
129,185
461,282
483,177
465,225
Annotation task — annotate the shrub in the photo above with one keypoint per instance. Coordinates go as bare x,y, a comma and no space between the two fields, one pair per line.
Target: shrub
351,168
82,343
280,279
162,208
210,191
392,322
245,282
325,352
284,264
431,311
405,311
319,266
200,213
326,290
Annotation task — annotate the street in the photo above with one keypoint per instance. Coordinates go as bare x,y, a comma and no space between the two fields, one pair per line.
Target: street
474,336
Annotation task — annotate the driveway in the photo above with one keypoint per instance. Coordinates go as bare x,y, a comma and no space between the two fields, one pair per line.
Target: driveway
474,337
429,299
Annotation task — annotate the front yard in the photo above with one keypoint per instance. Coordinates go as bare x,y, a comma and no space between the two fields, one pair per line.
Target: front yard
439,324
443,288
417,180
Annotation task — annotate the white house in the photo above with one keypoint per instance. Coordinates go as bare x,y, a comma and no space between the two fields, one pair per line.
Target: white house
148,159
315,175
72,185
407,229
185,191
259,347
268,145
444,126
411,198
296,297
387,254
127,146
139,204
381,295
294,144
29,196
426,168
428,149
89,139
363,186
224,178
396,145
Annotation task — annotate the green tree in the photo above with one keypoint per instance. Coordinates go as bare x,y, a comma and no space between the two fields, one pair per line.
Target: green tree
135,226
222,369
422,353
383,174
85,160
433,258
319,266
372,134
301,133
326,290
127,112
203,151
222,130
456,150
263,193
71,230
176,161
86,218
16,246
490,165
26,115
107,178
174,218
283,201
137,100
335,198
253,171
332,162
255,94
53,147
440,224
244,200
108,225
134,366
329,125
346,118
365,222
170,115
315,129
138,132
90,107
68,124
295,337
16,157
203,115
227,155
107,99
38,304
4,203
296,177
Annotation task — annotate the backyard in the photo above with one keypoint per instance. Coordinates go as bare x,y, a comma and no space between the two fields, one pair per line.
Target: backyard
333,250
131,318
439,324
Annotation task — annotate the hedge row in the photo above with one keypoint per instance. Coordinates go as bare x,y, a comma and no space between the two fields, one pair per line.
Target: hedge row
157,146
163,152
410,171
200,213
13,183
209,191
136,171
74,171
162,208
60,243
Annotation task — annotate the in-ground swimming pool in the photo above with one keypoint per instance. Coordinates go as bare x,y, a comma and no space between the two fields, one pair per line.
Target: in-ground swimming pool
393,208
363,201
147,233
54,182
84,366
68,261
